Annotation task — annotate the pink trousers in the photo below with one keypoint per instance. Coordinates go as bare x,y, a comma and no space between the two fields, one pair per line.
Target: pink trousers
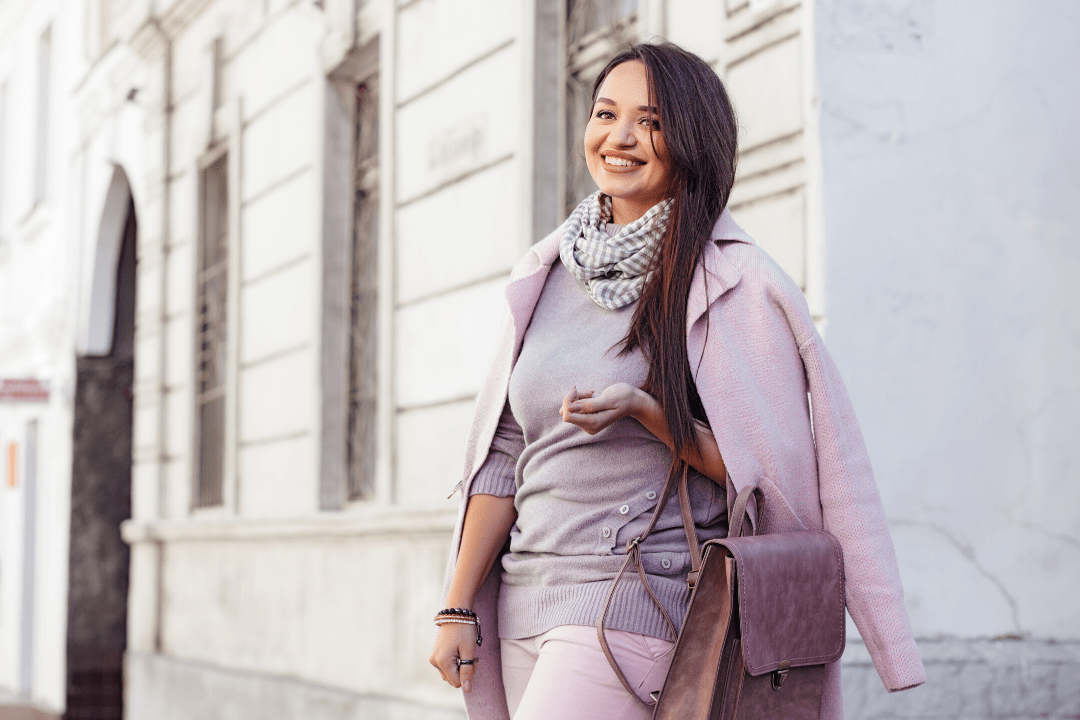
564,674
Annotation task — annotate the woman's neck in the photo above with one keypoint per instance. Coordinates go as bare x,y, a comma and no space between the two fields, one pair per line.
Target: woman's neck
624,212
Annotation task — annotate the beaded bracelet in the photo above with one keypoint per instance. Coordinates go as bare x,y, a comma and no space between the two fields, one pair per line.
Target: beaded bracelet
457,611
460,616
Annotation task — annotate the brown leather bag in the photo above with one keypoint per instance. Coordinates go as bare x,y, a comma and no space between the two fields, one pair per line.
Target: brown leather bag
766,615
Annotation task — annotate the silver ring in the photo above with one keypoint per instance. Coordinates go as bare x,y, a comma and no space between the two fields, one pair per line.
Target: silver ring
461,662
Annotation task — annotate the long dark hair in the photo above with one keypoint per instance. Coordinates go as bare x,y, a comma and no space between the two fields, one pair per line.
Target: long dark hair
700,131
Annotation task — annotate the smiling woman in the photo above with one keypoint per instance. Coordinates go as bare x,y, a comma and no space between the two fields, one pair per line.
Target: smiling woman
650,336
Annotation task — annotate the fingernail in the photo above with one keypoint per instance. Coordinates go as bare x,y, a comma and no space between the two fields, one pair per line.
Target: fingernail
574,407
467,685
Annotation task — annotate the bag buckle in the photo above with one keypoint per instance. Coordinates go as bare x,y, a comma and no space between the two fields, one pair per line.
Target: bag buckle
780,674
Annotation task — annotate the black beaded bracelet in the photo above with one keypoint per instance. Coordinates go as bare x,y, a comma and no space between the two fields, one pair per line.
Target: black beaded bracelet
457,611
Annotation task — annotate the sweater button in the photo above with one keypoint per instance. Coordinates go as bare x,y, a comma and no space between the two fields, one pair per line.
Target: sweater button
665,563
607,532
624,509
651,495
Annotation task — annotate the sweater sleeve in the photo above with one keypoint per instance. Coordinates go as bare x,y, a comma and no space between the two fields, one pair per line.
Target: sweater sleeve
498,473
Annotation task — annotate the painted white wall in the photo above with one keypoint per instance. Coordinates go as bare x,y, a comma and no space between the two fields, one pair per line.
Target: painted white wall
39,281
952,228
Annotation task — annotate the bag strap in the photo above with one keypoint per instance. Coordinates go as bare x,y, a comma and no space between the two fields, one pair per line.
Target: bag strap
633,554
690,530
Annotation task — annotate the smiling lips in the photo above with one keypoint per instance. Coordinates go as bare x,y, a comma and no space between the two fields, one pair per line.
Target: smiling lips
622,162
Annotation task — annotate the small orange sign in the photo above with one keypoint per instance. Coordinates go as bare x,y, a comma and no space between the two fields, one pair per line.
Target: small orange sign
12,467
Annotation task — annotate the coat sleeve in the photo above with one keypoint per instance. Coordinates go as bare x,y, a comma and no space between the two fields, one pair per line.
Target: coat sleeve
852,511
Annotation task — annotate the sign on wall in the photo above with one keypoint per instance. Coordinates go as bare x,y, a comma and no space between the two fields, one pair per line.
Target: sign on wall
23,390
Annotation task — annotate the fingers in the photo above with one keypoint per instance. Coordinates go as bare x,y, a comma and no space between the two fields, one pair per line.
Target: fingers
592,423
446,664
570,402
454,655
466,670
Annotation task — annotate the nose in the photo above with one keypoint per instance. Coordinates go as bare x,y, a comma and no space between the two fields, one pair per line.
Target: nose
623,133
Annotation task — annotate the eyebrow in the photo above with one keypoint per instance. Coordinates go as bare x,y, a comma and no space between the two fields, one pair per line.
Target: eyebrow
645,108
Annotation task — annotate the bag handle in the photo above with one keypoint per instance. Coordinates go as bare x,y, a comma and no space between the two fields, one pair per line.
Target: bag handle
736,528
740,513
633,555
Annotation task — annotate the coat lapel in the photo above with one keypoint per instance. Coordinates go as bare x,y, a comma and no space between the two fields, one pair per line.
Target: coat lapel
714,274
523,292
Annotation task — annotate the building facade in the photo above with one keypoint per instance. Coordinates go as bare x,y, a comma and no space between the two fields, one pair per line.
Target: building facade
251,271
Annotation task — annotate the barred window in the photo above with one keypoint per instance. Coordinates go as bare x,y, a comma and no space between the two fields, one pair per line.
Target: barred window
595,29
362,356
211,329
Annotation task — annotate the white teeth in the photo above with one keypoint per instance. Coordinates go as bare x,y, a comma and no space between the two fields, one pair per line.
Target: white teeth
621,162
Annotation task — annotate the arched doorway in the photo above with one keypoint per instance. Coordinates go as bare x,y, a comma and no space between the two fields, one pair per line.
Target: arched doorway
101,472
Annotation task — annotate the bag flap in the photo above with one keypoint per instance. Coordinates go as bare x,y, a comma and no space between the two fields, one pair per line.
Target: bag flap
791,598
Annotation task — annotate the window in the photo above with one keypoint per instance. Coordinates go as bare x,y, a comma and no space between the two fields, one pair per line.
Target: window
594,31
212,281
763,70
41,157
363,380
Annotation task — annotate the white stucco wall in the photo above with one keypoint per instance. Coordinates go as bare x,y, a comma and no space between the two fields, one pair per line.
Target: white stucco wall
951,169
39,277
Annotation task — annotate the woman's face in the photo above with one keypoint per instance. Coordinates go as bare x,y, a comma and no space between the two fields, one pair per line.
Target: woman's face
624,144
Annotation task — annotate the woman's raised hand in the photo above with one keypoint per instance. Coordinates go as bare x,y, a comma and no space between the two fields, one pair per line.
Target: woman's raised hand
592,413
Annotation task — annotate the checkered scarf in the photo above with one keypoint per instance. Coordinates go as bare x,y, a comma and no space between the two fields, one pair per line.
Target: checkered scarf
612,268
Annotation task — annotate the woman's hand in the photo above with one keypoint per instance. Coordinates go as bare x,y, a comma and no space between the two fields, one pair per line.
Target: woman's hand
455,641
592,413
488,520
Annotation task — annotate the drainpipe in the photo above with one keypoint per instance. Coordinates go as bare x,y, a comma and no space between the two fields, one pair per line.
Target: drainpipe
162,389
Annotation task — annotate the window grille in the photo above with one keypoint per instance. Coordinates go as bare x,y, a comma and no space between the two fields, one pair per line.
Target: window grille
42,149
212,330
595,31
363,380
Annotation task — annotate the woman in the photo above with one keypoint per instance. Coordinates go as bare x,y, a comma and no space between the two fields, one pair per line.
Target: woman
647,332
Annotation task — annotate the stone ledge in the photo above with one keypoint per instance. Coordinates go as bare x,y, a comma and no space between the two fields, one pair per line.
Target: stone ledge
13,708
1014,651
359,523
159,687
22,712
977,679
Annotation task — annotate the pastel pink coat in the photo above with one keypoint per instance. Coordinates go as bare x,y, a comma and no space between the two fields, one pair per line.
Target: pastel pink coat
756,356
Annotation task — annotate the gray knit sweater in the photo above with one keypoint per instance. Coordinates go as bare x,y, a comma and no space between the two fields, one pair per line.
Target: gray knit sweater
580,498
